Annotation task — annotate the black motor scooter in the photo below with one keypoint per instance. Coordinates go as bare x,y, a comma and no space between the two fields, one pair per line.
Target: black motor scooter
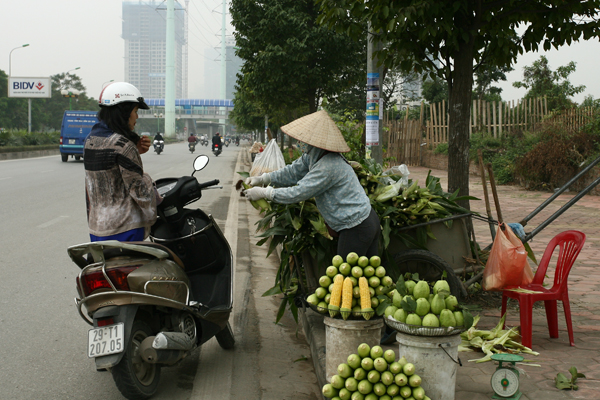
217,149
150,304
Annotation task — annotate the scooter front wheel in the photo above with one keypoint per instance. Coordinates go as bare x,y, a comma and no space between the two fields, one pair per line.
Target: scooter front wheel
225,338
136,379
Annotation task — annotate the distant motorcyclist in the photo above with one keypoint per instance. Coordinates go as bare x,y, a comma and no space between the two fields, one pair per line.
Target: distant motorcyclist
216,139
192,139
158,136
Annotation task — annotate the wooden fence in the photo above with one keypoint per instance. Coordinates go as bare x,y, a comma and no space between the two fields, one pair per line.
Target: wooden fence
405,137
496,118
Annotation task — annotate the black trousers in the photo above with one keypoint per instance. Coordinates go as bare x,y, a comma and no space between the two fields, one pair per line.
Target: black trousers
362,239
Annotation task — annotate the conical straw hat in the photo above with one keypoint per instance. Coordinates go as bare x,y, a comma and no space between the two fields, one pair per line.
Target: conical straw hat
318,130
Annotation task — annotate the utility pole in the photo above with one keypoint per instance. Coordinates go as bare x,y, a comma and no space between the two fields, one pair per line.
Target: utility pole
222,122
374,102
170,72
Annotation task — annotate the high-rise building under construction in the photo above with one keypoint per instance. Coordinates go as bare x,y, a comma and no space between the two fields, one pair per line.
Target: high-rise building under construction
144,32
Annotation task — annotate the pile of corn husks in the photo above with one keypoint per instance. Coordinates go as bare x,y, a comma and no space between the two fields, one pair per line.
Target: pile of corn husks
497,340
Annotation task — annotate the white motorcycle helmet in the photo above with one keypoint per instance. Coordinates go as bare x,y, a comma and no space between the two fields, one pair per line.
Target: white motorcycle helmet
121,92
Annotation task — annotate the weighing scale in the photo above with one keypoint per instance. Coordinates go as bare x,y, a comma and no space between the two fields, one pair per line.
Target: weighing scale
505,380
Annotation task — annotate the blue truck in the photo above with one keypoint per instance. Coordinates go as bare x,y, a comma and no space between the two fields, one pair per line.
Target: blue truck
75,128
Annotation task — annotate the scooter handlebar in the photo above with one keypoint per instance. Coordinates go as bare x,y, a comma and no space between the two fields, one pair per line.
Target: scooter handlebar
209,183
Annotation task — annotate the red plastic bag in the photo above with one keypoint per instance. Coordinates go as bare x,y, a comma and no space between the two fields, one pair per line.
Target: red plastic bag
507,264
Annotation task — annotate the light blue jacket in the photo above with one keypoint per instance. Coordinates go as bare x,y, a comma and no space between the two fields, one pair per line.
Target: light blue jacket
338,194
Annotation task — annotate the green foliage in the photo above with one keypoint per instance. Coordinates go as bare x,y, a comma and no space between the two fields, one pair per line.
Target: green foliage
14,138
441,148
293,227
557,156
564,383
434,90
541,81
290,62
485,76
503,153
46,114
352,131
448,39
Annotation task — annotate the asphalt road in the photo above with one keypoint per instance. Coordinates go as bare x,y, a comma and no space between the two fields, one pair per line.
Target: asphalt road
42,338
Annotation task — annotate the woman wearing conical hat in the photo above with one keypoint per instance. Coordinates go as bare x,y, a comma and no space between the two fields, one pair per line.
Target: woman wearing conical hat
323,173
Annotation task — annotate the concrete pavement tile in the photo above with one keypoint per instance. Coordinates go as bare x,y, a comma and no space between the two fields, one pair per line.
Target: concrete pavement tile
549,394
464,395
476,387
585,392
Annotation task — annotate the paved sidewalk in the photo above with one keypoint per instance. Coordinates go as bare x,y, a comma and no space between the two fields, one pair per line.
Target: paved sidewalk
473,380
537,383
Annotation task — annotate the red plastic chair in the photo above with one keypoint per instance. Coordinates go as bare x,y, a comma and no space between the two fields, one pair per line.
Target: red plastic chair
570,243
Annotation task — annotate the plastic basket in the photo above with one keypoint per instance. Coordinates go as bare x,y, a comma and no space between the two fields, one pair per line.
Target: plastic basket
417,330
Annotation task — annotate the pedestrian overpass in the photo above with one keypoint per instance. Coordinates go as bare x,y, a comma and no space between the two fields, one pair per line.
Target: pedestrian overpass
199,114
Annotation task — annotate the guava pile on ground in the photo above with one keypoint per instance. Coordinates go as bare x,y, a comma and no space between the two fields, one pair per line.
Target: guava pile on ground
351,287
372,374
421,303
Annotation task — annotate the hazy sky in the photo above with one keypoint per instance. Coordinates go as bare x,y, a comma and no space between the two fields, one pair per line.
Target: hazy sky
65,34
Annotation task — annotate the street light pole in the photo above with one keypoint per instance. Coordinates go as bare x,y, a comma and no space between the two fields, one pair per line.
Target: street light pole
74,69
10,74
112,80
10,58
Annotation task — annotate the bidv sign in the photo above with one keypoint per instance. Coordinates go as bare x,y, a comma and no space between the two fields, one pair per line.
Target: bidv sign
29,87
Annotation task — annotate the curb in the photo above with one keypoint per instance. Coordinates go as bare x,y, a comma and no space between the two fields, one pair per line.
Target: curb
313,328
28,154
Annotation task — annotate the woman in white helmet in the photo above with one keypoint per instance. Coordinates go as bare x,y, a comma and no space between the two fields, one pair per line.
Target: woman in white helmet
121,198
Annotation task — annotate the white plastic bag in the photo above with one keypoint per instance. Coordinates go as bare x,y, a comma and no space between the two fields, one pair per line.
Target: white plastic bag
270,160
400,173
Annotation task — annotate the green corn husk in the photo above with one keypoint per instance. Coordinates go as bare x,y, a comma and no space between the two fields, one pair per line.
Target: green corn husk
260,205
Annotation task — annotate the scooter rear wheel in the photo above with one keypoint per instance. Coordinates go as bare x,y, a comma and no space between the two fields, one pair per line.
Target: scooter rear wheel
136,379
225,338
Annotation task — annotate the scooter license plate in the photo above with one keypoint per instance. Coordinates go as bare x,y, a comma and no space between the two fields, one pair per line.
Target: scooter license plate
106,340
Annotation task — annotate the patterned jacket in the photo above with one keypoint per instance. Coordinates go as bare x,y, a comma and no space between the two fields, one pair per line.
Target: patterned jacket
119,195
328,178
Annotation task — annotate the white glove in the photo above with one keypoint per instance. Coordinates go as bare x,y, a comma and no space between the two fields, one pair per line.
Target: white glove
262,180
257,193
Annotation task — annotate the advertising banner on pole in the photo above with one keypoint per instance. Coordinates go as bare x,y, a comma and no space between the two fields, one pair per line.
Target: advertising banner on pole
372,123
32,88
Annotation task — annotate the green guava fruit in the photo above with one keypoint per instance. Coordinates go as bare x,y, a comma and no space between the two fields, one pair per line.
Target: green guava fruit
400,315
431,320
447,318
441,285
413,319
421,290
352,258
422,307
363,261
437,304
375,261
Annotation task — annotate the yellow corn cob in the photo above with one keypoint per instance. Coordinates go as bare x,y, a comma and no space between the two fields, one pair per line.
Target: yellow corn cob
365,298
336,295
346,298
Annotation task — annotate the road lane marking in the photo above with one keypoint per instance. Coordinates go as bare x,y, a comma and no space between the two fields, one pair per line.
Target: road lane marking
52,221
8,177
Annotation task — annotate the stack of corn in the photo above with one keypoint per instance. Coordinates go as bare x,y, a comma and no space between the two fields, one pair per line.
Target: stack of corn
351,286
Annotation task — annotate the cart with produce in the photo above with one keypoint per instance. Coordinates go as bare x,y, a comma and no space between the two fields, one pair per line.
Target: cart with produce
424,229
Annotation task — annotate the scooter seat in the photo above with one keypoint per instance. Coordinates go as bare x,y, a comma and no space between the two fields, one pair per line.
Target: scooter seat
172,256
113,252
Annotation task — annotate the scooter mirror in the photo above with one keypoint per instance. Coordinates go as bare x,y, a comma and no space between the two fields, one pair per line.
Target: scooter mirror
200,162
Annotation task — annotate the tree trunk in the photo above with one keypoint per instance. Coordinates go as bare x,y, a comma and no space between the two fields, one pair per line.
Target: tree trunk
459,120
